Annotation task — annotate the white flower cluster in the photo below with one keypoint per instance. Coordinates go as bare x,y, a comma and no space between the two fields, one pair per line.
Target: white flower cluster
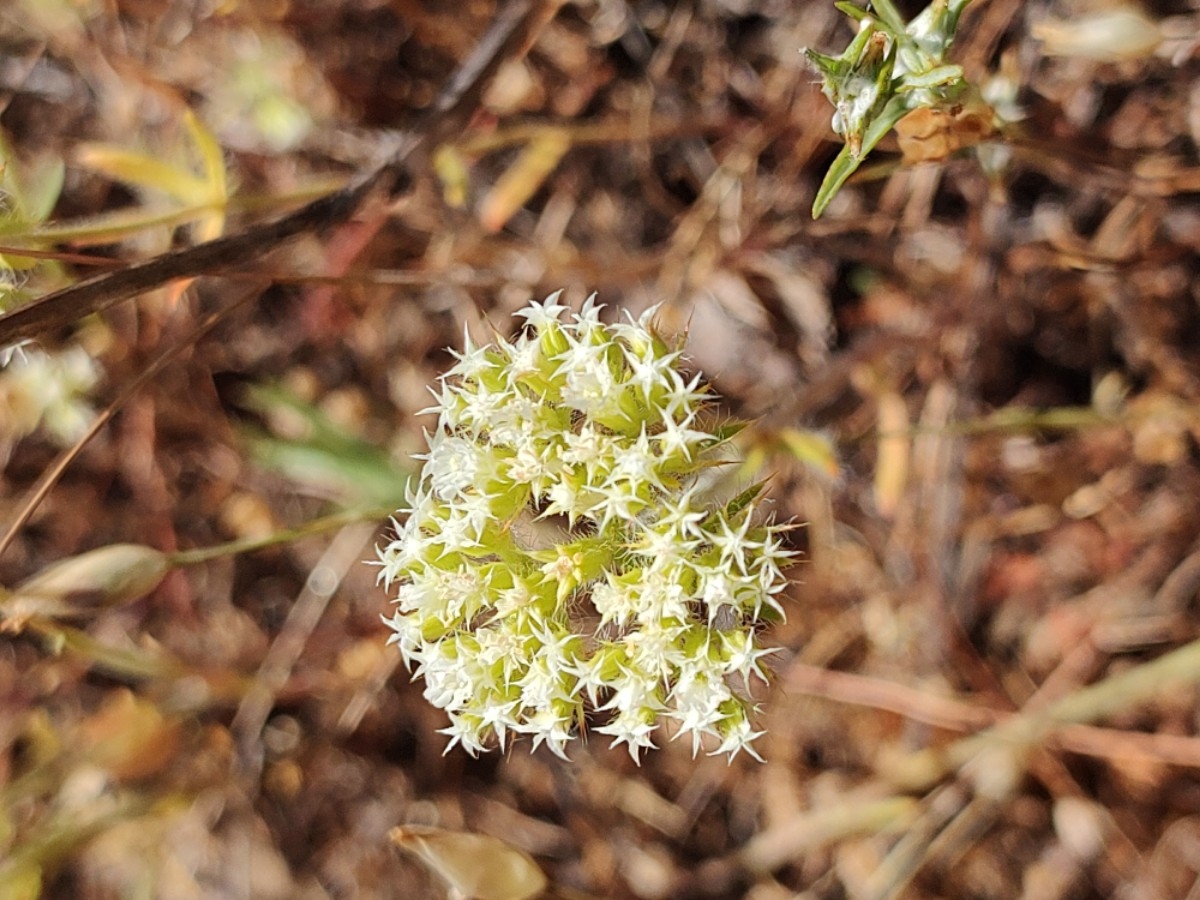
558,552
46,389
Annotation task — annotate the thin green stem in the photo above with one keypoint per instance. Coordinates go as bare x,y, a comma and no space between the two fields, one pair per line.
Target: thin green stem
286,536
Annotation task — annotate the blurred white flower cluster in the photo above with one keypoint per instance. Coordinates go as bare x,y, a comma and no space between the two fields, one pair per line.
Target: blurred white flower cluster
559,554
48,390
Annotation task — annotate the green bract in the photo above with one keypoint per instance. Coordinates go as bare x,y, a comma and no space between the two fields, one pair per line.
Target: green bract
558,551
887,71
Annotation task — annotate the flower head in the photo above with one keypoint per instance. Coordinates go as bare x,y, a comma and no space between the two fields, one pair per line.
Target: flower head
559,554
44,389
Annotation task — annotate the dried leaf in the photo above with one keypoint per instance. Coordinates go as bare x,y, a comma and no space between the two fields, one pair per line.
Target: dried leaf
475,865
129,737
891,466
527,173
107,576
1111,35
929,134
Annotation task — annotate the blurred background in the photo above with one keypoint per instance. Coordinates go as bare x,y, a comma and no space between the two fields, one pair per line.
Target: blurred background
973,381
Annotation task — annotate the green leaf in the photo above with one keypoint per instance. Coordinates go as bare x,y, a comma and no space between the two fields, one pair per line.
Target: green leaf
143,170
206,192
815,450
739,503
325,455
212,159
842,168
212,166
847,163
857,13
831,68
28,194
30,189
21,880
889,16
42,187
728,430
933,78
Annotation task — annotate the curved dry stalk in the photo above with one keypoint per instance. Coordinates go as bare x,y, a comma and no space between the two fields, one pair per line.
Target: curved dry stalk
861,690
1015,734
1066,718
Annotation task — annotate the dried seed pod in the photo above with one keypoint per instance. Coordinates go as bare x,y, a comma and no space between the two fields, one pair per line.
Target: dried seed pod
106,576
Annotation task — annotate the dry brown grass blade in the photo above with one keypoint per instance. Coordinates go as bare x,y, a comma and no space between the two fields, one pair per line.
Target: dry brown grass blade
960,715
101,292
474,865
